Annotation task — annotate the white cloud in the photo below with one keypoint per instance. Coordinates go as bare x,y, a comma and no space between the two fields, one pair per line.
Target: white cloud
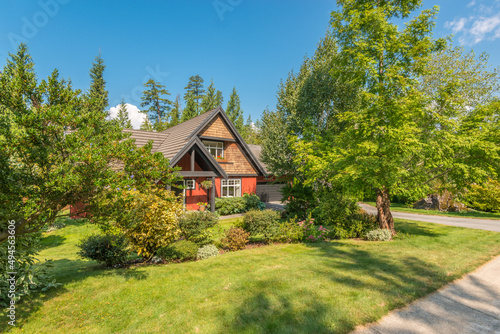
475,29
472,3
483,26
136,118
456,25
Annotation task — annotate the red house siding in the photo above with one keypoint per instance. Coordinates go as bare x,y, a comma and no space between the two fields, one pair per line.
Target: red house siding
248,185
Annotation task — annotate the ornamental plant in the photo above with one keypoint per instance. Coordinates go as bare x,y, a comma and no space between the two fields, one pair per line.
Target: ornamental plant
313,233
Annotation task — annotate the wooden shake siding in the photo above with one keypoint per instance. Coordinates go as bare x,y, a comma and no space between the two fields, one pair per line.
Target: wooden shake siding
237,162
217,128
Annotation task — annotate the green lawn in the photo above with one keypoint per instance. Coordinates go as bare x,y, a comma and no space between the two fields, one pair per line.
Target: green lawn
287,288
465,214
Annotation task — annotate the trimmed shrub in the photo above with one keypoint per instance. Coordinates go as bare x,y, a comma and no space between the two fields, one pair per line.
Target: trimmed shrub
379,235
207,251
236,239
195,226
108,249
233,205
264,223
182,250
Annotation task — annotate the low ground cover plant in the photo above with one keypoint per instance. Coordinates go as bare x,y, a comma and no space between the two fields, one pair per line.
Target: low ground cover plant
107,249
206,252
379,235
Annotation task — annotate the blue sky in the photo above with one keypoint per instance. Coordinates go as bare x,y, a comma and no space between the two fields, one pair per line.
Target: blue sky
249,44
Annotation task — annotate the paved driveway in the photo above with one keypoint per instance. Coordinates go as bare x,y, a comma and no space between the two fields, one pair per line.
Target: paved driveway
480,224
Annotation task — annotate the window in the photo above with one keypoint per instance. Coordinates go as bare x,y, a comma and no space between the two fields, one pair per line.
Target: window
231,188
216,148
190,184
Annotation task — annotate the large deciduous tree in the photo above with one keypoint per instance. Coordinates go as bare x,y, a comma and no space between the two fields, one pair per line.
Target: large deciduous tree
415,122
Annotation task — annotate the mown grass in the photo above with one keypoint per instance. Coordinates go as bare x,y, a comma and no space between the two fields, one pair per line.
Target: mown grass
397,207
288,288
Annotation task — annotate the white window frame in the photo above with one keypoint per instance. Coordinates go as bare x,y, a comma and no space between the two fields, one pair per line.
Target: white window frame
190,184
225,184
214,147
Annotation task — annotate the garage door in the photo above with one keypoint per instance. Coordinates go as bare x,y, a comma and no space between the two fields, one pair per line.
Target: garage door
268,192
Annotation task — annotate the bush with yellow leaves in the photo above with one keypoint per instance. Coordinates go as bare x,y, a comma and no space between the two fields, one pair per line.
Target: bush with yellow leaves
152,220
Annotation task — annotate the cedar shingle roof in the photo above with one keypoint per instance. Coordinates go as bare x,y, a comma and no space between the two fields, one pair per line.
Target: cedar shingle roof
143,137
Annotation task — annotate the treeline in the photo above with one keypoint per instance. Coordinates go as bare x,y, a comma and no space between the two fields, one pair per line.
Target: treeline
163,113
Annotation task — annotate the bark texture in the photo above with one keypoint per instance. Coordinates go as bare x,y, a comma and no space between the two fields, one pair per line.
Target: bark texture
384,216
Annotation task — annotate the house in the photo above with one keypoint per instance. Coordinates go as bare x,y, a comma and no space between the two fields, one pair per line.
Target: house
208,147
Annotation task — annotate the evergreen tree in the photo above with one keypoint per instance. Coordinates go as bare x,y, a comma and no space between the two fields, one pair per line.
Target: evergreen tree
211,99
146,125
190,111
158,105
234,111
98,95
195,88
218,98
122,116
175,114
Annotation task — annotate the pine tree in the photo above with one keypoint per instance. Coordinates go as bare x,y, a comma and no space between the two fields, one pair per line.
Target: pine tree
218,98
175,114
146,125
195,88
98,95
122,116
158,106
210,100
234,111
190,111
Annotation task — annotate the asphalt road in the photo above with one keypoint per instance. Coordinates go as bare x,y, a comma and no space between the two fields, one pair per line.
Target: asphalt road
480,224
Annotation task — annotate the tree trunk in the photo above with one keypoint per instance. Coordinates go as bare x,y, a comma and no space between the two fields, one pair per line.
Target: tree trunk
384,216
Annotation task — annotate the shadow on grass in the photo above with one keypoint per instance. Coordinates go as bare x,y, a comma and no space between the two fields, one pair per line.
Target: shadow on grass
67,271
275,311
51,240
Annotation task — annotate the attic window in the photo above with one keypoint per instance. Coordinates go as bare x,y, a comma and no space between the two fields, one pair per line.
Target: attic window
216,148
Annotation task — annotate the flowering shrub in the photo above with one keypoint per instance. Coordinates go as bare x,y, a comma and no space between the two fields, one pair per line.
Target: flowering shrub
313,233
379,235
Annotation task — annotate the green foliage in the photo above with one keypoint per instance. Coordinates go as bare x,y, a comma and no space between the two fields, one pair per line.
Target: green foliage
108,249
236,239
289,231
191,110
262,223
98,95
196,226
29,278
122,116
379,234
158,106
150,220
301,199
212,99
175,113
194,89
233,110
206,252
58,149
233,205
312,232
343,216
179,251
485,197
